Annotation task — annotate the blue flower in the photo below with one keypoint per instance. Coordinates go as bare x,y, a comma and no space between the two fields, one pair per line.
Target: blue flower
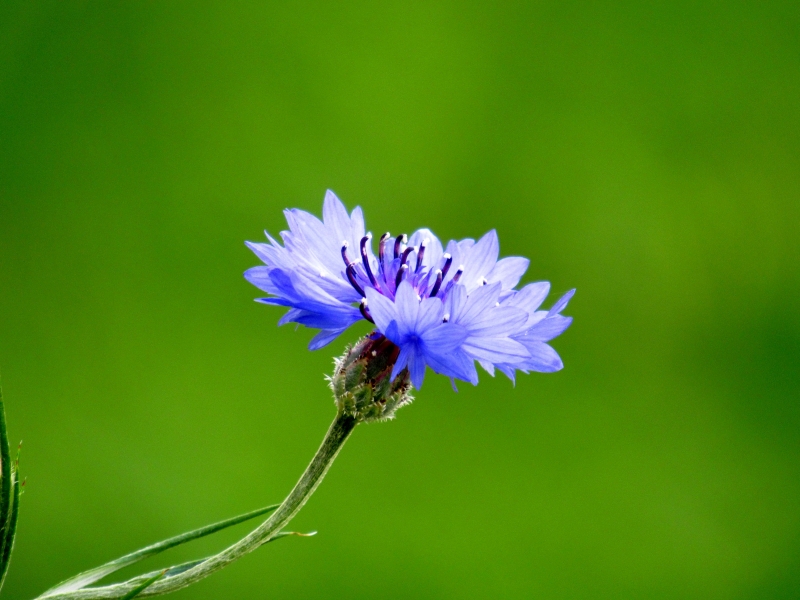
443,307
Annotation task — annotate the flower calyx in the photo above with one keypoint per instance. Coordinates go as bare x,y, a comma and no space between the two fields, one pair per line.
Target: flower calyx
362,380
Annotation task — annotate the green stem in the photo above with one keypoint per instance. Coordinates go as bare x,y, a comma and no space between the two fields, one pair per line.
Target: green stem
339,431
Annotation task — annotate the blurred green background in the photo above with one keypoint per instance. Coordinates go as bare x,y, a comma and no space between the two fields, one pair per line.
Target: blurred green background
648,155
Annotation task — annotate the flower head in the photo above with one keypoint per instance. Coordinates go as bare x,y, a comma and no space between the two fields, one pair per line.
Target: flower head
441,307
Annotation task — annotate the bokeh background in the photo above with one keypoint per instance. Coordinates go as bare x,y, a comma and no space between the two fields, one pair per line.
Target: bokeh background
647,154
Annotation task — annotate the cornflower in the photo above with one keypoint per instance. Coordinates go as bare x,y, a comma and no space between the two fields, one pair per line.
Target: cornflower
432,306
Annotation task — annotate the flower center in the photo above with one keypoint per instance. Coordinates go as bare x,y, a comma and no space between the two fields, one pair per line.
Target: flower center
394,266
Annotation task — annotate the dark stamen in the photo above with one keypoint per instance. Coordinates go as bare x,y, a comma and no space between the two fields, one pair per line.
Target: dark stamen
448,260
406,252
400,272
458,274
401,239
346,258
420,254
365,311
446,318
351,276
365,258
438,284
384,237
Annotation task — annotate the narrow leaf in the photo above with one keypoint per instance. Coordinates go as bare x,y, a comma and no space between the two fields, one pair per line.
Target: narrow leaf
88,577
10,531
5,468
178,569
283,534
183,567
169,572
6,499
139,589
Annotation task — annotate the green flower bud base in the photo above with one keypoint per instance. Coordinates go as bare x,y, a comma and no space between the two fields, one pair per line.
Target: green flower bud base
362,383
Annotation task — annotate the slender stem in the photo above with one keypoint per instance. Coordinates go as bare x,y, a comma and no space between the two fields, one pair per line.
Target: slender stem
338,433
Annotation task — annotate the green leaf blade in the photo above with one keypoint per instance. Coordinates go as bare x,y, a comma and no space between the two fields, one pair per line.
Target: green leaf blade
139,589
9,497
10,532
92,575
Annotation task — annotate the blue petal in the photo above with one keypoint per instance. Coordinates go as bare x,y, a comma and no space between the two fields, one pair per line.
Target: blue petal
562,303
487,366
530,297
500,321
335,217
508,271
509,372
259,277
407,306
543,358
357,223
444,338
417,369
296,292
297,288
262,251
276,302
290,316
548,328
312,243
481,259
456,301
431,311
323,338
327,319
496,350
478,303
382,309
454,364
402,361
393,333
